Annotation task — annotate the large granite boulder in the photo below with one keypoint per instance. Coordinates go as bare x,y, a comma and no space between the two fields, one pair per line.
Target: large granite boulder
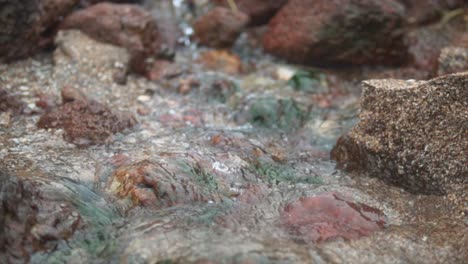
412,134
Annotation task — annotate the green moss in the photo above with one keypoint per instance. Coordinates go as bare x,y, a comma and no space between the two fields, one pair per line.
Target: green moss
203,178
271,112
309,81
277,173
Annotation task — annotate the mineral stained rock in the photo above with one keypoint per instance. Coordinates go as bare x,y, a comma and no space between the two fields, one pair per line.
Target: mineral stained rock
412,134
220,27
156,185
329,216
31,220
26,25
259,11
86,122
337,32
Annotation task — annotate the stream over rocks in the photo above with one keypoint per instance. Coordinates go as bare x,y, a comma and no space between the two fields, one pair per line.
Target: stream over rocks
202,155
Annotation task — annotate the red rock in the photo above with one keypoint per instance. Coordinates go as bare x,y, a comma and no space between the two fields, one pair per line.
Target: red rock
28,25
338,32
259,11
86,122
219,28
329,216
128,26
221,60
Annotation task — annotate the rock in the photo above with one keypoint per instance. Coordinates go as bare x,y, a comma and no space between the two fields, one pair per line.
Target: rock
9,103
156,185
412,134
338,32
86,122
425,43
259,11
86,3
221,60
128,26
27,26
425,11
330,216
219,28
452,60
88,56
163,69
31,219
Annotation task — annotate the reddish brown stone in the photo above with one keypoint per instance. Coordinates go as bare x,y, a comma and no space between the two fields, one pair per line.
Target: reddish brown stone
259,11
220,27
86,122
27,26
221,60
329,216
338,32
128,26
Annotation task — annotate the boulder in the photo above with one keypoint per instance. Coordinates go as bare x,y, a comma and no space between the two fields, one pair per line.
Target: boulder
259,11
338,32
128,26
28,26
412,134
220,27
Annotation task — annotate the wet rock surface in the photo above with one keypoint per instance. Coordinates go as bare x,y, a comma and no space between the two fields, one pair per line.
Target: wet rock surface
31,219
85,122
349,32
401,136
217,161
330,216
220,27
